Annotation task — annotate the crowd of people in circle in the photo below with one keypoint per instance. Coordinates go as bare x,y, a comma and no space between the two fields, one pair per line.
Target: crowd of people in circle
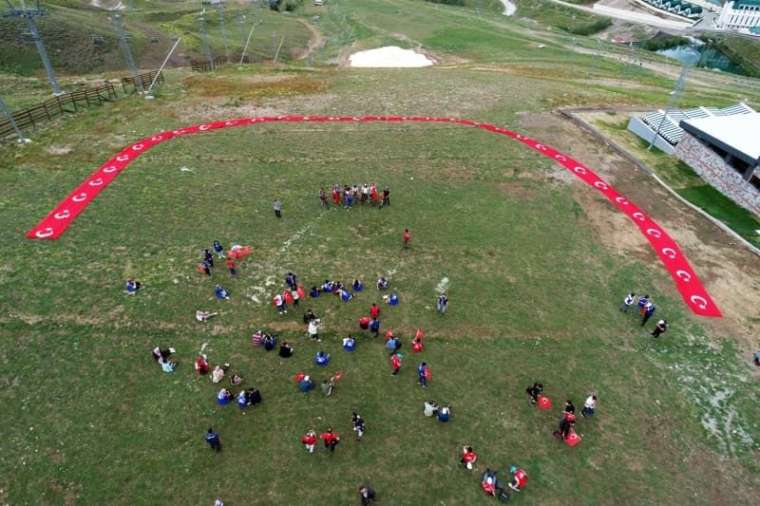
291,296
350,195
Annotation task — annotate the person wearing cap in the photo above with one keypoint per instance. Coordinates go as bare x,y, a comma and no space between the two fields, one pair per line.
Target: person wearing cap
519,478
469,457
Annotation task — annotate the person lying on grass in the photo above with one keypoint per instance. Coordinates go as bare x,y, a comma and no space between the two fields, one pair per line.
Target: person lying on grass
221,293
204,316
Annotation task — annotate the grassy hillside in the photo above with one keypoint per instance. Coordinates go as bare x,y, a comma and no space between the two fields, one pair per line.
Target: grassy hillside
534,264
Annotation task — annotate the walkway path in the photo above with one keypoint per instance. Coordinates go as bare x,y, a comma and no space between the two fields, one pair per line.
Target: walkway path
630,16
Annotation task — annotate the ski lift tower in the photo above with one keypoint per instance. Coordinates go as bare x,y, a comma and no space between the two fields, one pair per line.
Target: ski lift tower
29,14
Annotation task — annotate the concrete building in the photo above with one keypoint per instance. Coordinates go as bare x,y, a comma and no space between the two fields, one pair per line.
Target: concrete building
667,123
740,15
725,152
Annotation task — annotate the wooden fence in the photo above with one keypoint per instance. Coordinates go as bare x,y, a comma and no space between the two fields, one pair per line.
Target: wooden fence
32,117
207,66
133,84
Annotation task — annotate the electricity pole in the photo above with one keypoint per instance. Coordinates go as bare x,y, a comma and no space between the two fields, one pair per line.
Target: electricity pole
204,39
7,113
29,15
118,23
220,6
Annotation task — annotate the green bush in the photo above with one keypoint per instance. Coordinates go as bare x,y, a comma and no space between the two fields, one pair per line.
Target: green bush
663,41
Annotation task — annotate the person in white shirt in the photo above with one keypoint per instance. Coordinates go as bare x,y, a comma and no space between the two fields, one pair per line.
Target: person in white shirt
203,316
589,406
313,329
627,302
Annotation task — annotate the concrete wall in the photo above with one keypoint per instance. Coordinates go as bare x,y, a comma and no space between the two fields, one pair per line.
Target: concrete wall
716,172
641,129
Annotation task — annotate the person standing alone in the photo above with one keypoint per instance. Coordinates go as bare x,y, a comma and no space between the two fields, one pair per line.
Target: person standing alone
277,206
213,440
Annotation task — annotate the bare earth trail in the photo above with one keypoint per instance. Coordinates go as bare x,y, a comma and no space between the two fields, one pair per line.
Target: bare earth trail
730,273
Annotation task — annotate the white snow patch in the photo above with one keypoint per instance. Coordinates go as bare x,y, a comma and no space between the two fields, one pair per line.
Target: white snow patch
442,285
509,7
255,299
389,57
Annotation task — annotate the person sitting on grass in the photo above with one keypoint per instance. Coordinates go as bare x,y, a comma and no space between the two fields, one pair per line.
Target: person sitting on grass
221,293
242,399
430,408
269,342
217,375
322,358
534,391
519,478
444,413
204,316
286,350
201,365
469,457
366,494
374,326
314,292
253,396
488,482
223,397
345,295
349,343
161,354
305,384
327,386
357,285
382,283
132,286
236,380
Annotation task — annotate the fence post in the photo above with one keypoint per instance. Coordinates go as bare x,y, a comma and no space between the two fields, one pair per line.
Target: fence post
31,119
74,101
44,104
60,106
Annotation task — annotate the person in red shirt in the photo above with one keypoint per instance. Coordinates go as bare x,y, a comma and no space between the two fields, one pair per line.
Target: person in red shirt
309,440
374,311
201,365
417,345
364,322
395,363
330,438
519,478
407,238
230,263
469,457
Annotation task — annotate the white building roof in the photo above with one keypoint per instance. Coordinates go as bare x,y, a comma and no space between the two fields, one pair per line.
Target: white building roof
740,132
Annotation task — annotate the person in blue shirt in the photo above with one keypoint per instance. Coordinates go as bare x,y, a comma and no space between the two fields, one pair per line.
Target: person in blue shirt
221,293
322,358
219,249
208,257
242,400
393,344
213,440
358,285
444,413
132,286
314,292
291,280
374,326
345,295
393,299
349,343
306,384
223,397
422,374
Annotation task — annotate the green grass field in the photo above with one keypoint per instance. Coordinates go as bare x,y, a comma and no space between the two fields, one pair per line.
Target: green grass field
534,289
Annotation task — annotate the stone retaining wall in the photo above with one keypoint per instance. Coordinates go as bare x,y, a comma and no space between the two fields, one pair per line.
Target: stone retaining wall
716,172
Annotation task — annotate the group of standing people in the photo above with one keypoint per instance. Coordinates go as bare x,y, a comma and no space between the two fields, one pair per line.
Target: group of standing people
349,195
646,309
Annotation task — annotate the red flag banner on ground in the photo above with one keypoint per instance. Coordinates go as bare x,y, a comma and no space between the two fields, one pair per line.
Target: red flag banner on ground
692,291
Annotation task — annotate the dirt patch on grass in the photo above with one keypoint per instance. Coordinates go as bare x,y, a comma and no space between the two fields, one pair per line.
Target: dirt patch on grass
730,273
254,87
517,190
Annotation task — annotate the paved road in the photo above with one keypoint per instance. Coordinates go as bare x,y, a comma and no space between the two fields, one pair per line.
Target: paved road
630,16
